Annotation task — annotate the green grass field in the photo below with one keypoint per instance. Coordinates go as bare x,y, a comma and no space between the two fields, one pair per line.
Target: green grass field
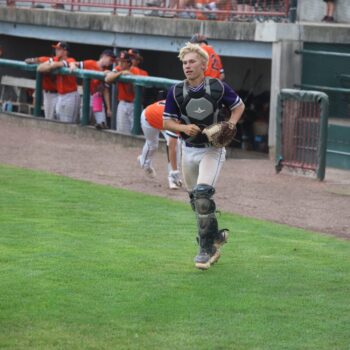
85,266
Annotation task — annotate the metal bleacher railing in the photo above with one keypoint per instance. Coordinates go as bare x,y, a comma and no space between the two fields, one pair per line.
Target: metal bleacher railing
223,10
139,82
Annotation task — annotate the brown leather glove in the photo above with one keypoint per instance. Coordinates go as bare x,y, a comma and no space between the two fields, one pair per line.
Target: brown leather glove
220,134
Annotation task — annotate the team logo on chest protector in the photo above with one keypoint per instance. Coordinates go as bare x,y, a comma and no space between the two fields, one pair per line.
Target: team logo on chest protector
199,109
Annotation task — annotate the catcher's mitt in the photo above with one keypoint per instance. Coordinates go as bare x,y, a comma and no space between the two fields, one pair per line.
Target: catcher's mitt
220,134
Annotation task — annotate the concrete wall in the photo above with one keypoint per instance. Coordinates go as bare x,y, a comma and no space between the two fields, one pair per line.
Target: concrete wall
285,73
170,33
314,10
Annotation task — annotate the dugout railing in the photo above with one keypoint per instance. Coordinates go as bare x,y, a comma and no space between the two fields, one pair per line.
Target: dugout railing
139,82
301,131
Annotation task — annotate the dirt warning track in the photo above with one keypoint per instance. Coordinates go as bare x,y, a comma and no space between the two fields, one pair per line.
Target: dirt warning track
246,186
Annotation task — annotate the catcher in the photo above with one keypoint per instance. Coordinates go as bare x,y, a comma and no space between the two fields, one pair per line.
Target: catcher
192,109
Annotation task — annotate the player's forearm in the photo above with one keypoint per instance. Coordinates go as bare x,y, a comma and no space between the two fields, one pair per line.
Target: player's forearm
44,67
172,153
73,65
172,125
112,76
32,60
49,66
107,98
237,113
56,65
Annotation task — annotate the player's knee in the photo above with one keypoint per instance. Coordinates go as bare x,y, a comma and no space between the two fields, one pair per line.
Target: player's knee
203,191
152,145
202,194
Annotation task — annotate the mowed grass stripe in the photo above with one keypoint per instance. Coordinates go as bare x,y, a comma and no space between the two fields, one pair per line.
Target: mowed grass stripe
85,266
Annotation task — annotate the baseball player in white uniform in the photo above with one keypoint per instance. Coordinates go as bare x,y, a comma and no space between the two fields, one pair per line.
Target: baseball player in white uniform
191,106
152,125
68,102
49,88
100,95
126,94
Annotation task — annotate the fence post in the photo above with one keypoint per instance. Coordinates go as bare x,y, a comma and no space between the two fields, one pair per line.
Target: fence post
114,98
321,169
136,130
86,102
278,151
38,95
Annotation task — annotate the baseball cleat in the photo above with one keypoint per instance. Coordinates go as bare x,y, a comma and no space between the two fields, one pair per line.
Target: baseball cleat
215,257
150,172
175,177
172,184
202,260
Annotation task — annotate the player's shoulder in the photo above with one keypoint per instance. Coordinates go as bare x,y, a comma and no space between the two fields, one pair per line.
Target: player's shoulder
90,62
70,59
143,72
226,85
134,70
42,59
215,82
180,84
116,69
209,49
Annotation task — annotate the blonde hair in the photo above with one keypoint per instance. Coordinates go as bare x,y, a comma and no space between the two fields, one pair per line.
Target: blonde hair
189,48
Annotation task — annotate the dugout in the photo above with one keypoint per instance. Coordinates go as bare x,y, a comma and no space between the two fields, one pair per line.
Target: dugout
250,77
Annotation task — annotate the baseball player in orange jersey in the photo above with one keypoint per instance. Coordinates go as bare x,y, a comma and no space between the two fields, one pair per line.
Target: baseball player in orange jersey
126,95
68,102
215,68
98,89
191,106
152,124
49,87
136,60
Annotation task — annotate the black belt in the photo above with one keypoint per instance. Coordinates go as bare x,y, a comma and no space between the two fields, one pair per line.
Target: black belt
204,145
50,92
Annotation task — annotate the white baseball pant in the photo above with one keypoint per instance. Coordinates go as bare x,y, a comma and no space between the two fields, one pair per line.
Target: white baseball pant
67,107
50,101
125,116
152,142
201,165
